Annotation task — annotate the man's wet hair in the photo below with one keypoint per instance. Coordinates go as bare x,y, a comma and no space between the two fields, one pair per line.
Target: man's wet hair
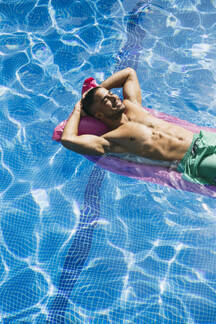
88,101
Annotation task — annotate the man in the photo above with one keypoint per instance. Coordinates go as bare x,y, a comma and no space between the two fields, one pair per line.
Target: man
134,130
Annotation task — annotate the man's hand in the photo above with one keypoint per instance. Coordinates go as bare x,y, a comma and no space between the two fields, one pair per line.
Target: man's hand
78,109
78,106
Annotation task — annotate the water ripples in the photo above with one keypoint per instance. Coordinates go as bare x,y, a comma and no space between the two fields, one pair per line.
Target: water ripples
149,259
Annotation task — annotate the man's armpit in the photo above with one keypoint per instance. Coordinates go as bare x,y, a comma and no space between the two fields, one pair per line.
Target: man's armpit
115,148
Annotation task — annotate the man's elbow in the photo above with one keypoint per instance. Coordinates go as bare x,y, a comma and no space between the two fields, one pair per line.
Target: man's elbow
130,70
63,141
71,144
67,141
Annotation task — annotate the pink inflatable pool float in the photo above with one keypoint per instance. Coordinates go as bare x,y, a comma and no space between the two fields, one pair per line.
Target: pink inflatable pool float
141,171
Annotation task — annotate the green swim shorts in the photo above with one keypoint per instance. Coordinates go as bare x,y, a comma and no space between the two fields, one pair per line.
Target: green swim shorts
199,163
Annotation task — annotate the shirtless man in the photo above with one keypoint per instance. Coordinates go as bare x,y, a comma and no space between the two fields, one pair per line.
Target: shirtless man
134,130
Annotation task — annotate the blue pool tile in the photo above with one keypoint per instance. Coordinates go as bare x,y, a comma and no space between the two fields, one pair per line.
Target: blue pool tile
27,282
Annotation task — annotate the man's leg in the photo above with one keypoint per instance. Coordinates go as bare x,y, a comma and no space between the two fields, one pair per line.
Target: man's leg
207,168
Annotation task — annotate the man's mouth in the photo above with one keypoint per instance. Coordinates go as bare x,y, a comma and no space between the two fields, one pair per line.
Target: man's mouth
120,106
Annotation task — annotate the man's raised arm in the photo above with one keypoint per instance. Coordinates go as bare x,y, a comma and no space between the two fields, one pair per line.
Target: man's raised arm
126,79
83,144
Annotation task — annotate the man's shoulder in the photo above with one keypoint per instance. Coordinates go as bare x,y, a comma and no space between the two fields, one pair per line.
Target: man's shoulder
134,110
132,104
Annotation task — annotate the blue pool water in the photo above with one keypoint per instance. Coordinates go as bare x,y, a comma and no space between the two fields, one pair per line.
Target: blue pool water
80,244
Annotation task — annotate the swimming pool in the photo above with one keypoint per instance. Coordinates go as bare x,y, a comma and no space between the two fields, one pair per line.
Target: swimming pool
80,244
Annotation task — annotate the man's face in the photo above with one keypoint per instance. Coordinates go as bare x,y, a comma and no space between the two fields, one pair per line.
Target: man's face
107,103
